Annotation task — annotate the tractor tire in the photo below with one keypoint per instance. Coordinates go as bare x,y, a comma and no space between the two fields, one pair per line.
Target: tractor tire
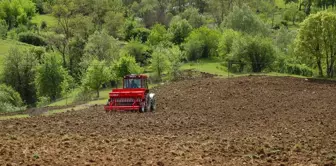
142,109
148,107
152,105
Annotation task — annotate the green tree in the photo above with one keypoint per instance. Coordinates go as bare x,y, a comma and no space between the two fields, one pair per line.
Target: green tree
316,41
113,23
159,61
10,100
133,28
126,65
3,29
219,9
158,35
257,51
63,10
175,57
81,26
293,14
96,75
19,73
76,52
226,42
16,12
202,43
180,29
284,38
138,50
101,46
49,77
251,23
194,18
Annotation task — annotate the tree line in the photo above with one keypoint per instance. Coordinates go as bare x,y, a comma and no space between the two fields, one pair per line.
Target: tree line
95,43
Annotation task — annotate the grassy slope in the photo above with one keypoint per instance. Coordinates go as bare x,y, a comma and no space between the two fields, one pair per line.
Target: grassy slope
208,66
50,20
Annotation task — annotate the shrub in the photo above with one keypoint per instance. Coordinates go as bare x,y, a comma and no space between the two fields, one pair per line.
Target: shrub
299,69
179,29
126,65
256,51
32,38
202,43
43,101
3,29
43,25
10,100
138,50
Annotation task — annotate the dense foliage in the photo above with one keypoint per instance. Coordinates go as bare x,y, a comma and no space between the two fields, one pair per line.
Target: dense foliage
86,44
10,100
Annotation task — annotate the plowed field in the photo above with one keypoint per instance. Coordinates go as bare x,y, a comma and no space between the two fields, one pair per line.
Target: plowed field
240,121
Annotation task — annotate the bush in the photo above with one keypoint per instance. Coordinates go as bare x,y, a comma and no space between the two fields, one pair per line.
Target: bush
43,25
84,95
226,42
10,100
158,35
50,75
32,38
140,33
193,16
3,29
256,51
245,20
202,43
43,101
138,50
179,29
160,62
96,75
13,33
126,65
299,69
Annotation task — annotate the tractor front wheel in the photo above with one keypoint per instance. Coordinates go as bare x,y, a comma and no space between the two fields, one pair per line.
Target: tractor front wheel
142,109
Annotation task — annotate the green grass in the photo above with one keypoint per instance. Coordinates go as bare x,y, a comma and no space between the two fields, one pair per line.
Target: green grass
50,20
5,46
208,66
14,117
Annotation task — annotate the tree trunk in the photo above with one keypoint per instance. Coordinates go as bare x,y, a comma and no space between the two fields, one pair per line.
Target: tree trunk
308,7
320,67
98,93
330,69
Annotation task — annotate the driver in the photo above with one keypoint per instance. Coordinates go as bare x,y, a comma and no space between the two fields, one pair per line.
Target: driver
134,85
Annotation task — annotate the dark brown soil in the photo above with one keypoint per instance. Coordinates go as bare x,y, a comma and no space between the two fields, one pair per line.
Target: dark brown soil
240,121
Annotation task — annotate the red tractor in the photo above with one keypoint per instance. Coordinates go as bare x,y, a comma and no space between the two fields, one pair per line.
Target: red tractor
134,96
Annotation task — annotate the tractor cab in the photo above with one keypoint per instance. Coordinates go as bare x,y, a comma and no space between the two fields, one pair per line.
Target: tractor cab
135,81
